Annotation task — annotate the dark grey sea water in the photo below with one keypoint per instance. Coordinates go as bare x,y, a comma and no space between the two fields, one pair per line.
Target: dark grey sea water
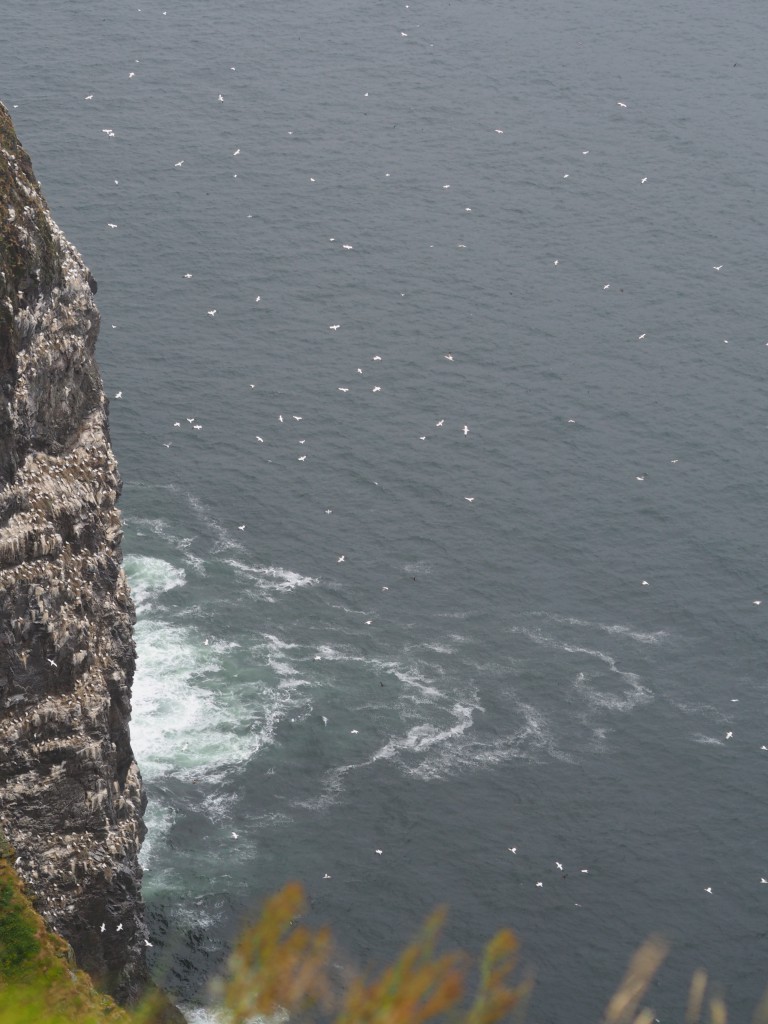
361,627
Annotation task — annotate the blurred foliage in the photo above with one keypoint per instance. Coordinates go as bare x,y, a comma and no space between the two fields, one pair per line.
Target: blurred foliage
283,970
281,966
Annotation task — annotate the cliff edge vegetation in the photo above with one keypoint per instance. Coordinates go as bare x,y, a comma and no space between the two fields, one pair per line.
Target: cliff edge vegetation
282,970
39,981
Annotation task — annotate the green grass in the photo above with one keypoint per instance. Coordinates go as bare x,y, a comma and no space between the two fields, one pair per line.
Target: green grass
18,935
38,981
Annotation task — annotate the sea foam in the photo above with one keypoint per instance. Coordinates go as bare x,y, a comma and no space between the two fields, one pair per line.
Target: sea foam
150,577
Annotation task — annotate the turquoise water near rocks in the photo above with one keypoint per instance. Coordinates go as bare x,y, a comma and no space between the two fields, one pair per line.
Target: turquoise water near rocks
553,666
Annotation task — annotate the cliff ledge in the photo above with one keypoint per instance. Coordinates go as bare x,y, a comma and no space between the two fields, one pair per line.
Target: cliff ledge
71,796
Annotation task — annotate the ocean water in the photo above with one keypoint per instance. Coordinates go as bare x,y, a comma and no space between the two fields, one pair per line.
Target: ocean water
486,614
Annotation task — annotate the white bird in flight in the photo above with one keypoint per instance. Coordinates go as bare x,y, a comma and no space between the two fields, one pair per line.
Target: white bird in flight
118,394
465,430
211,312
333,327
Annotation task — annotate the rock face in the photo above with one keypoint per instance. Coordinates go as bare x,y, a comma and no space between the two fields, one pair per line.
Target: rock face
71,797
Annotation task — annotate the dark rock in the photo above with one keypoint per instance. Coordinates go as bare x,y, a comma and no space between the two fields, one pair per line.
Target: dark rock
71,796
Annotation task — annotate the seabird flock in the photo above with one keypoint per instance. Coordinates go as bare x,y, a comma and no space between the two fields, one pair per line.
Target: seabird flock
354,383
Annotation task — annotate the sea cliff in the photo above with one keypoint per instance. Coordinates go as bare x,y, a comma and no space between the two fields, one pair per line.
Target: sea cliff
71,796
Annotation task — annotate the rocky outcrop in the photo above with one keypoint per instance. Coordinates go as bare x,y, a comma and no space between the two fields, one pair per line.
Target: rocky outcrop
71,797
